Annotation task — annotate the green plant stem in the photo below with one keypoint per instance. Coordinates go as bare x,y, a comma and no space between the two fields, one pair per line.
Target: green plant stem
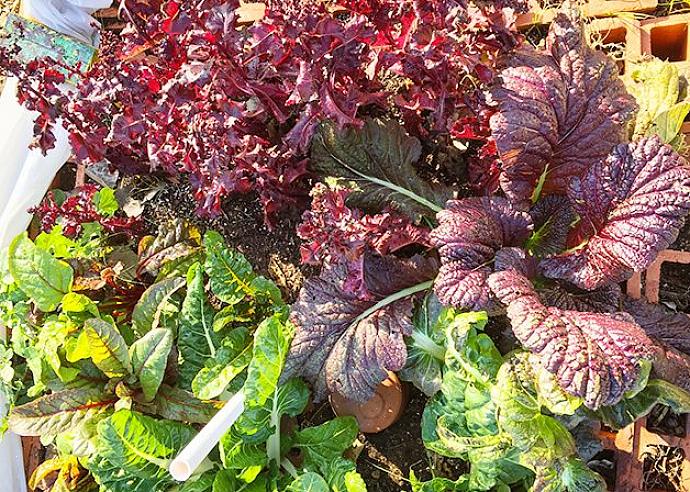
290,468
392,298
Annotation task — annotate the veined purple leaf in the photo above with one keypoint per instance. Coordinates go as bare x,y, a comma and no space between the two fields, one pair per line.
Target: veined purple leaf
559,110
552,216
345,344
516,259
594,356
606,299
631,207
469,234
660,322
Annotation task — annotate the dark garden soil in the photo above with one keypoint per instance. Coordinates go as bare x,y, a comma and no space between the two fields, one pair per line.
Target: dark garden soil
273,252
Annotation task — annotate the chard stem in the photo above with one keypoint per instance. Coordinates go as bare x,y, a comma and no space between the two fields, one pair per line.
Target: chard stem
424,341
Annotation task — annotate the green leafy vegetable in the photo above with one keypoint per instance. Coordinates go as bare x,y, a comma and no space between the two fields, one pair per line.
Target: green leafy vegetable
380,158
40,276
153,305
149,357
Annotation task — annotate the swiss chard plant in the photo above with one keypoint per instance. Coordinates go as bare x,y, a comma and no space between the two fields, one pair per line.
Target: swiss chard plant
119,395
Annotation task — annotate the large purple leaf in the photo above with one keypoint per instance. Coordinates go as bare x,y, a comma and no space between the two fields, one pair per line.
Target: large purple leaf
606,299
559,110
660,322
631,207
593,356
553,216
469,234
345,344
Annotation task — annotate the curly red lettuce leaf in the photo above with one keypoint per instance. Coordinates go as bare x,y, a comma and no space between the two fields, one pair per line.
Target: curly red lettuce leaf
559,111
80,208
345,344
594,356
333,233
660,323
631,206
469,233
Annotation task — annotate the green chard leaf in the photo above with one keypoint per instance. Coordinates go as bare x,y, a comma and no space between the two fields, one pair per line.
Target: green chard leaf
439,484
228,362
426,349
149,357
140,445
324,443
41,277
309,482
101,341
271,344
197,341
231,274
61,411
112,478
255,427
153,305
380,158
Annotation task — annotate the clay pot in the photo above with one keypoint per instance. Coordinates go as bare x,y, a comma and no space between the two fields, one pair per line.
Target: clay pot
381,411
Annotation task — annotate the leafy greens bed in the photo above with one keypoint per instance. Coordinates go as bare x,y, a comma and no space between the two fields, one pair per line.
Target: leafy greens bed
574,181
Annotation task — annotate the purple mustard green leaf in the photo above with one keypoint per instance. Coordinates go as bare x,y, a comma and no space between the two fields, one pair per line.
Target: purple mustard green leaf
631,207
606,299
660,323
560,110
346,344
469,233
552,216
516,259
595,356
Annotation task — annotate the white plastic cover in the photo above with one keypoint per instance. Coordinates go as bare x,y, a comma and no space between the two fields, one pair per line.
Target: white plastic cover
26,175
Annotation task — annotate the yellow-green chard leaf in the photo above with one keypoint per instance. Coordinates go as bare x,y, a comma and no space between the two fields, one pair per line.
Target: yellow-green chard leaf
228,362
232,276
102,343
142,446
155,305
41,277
656,87
149,357
271,344
197,341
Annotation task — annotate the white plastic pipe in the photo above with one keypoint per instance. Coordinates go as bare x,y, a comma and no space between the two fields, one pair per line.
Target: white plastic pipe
199,448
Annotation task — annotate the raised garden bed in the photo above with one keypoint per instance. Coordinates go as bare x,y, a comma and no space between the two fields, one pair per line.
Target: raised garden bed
313,198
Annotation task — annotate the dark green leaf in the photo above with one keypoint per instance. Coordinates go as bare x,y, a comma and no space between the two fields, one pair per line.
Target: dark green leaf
149,357
380,158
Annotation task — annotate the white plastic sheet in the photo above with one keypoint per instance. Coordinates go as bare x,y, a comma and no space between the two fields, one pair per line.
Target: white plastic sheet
26,175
